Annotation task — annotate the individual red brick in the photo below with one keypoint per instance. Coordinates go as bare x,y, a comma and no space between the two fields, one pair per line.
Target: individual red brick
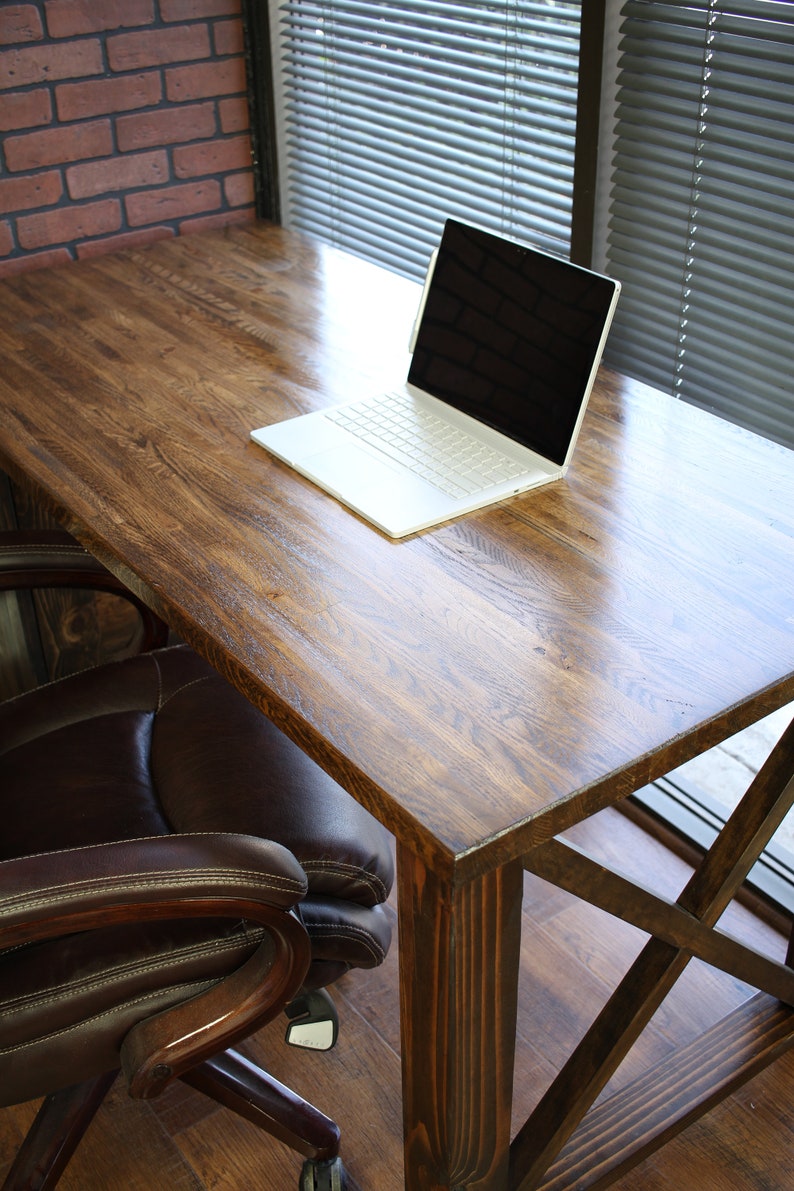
23,194
183,83
52,146
166,126
228,37
124,240
78,101
173,202
118,173
206,223
25,109
19,22
185,10
6,238
212,157
35,260
239,189
234,114
64,224
68,18
158,47
43,63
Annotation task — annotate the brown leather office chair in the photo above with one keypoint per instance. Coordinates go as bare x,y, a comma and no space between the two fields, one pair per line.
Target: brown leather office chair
174,872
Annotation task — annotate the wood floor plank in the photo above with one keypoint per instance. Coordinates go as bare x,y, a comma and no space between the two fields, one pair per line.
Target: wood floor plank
671,1094
744,1144
125,1146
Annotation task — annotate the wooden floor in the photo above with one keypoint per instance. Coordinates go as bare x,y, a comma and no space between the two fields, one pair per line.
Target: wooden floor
573,955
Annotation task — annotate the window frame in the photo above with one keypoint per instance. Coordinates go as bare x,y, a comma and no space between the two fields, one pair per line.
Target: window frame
265,140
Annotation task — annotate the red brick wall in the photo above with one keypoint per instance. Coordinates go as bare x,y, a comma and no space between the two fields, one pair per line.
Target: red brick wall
120,121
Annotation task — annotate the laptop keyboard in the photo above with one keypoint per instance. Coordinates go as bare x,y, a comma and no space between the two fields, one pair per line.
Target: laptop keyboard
428,446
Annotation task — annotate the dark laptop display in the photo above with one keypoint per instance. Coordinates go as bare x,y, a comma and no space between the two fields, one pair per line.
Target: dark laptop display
509,335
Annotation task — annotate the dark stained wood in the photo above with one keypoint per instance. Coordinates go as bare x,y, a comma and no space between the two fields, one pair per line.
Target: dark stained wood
571,869
480,687
237,1083
618,1134
458,1096
63,626
705,897
60,1124
48,634
51,561
124,1147
23,664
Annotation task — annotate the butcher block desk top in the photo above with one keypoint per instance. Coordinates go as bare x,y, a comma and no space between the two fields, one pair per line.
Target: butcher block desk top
479,686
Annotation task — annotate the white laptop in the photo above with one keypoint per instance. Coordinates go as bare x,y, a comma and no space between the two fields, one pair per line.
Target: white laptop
506,347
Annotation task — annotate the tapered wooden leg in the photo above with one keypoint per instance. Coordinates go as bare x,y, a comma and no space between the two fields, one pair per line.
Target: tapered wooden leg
459,958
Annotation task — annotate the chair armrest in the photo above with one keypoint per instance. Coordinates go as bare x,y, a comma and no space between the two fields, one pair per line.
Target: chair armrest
52,558
169,877
210,875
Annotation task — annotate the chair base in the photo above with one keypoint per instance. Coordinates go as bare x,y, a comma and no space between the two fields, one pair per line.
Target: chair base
323,1176
55,1134
229,1079
236,1083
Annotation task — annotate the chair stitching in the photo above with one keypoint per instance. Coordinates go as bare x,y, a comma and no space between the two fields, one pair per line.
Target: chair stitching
231,877
41,686
66,990
54,548
187,986
138,839
331,867
161,702
357,933
185,687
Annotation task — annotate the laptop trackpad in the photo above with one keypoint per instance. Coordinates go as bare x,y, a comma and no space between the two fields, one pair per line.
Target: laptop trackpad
387,495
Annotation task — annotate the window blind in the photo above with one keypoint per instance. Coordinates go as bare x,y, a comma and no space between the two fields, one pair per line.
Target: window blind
701,224
394,114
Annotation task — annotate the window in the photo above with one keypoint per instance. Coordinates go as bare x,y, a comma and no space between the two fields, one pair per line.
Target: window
701,222
390,115
394,114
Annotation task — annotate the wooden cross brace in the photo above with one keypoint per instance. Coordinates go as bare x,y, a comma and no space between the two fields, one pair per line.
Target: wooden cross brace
563,1145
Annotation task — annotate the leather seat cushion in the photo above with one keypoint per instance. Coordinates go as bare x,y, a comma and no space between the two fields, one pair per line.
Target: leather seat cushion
150,746
67,1004
161,743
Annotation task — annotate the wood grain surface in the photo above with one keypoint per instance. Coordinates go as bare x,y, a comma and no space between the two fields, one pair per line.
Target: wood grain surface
479,686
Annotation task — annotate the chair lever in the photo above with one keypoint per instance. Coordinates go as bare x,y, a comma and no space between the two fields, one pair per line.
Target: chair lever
313,1022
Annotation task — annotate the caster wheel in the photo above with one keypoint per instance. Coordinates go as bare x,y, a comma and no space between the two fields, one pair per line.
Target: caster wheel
323,1176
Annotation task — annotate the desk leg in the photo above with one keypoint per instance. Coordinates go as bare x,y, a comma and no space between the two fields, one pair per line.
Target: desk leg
459,958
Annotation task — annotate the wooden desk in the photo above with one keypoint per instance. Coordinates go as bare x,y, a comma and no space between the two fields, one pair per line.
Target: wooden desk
479,687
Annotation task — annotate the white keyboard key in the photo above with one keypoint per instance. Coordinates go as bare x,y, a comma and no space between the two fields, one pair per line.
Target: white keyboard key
435,450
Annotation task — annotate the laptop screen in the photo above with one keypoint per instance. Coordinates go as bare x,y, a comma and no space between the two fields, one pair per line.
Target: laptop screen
510,335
